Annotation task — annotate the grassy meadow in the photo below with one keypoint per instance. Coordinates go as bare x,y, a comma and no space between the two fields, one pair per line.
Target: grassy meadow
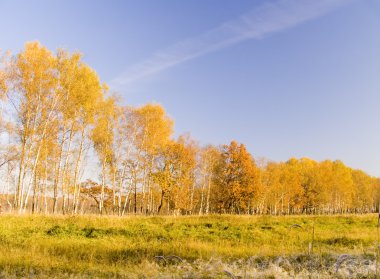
206,246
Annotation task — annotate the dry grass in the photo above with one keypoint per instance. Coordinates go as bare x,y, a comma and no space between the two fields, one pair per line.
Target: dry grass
191,247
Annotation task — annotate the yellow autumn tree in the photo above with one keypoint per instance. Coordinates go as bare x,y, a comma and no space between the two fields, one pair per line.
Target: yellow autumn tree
236,179
364,191
102,137
209,158
83,92
33,84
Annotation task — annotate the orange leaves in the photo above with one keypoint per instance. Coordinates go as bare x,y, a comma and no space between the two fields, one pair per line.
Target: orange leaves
236,177
80,86
61,107
308,186
154,128
3,86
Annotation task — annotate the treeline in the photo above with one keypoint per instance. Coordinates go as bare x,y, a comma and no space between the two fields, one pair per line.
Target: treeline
57,116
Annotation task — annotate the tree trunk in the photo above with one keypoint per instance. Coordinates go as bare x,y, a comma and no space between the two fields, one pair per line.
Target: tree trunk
77,188
208,195
161,202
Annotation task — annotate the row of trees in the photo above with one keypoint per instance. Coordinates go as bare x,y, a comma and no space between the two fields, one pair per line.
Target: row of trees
57,116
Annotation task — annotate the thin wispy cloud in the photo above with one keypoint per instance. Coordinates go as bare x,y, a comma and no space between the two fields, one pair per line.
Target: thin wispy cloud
273,16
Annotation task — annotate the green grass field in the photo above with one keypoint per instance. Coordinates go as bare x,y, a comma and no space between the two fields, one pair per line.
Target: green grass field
92,246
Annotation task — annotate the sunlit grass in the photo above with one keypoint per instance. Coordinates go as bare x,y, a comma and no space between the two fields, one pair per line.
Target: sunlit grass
100,246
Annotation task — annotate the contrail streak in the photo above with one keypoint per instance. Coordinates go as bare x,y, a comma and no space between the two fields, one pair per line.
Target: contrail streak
271,17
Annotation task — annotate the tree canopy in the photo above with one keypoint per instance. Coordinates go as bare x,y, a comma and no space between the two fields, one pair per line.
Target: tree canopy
59,118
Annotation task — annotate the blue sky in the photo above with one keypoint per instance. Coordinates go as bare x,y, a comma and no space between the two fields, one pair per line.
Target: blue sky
285,77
